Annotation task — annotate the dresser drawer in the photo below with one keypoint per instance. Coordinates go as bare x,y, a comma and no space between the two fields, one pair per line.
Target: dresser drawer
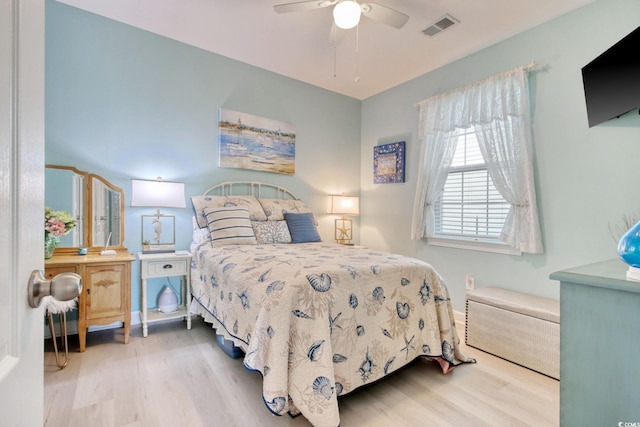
51,272
165,268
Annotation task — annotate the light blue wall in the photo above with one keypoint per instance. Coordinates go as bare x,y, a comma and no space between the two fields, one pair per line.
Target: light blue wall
125,103
586,179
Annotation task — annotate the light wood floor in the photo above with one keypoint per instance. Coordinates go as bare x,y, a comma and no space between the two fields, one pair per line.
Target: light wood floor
176,377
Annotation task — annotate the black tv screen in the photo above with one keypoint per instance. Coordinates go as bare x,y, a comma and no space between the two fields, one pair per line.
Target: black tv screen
612,80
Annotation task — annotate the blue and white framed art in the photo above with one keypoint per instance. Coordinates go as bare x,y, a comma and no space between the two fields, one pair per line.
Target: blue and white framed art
388,163
257,143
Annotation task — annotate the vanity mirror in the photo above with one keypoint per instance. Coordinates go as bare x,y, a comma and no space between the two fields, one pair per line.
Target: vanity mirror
98,207
95,203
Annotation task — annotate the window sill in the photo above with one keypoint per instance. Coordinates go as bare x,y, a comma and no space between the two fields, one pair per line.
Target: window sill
473,245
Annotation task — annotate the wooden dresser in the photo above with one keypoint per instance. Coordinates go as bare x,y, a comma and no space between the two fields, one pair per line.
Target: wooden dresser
106,288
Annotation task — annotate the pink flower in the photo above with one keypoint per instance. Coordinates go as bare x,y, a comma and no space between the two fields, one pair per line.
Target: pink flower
55,227
57,223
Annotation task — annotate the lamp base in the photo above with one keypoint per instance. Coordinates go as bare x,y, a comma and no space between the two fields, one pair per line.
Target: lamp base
343,230
158,249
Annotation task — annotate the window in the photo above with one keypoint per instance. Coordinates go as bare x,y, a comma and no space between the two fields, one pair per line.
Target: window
470,207
471,213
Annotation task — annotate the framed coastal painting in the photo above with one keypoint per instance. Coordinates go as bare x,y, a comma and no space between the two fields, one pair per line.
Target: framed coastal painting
251,142
388,163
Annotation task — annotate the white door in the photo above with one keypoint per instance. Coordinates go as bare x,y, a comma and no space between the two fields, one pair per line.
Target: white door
21,209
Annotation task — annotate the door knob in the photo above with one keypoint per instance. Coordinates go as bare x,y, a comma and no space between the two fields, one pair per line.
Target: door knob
64,287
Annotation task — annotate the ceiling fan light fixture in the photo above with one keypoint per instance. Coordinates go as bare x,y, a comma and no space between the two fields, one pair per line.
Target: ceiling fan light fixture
346,14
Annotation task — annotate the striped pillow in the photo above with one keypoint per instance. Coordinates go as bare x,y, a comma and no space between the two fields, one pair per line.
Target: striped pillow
229,226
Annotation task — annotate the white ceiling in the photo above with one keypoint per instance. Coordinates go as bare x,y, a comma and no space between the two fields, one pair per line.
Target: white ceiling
297,44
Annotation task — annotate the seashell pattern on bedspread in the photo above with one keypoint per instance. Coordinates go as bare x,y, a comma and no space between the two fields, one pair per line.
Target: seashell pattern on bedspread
319,320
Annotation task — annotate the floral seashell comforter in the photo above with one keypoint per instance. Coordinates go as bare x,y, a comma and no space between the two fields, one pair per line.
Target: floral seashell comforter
319,320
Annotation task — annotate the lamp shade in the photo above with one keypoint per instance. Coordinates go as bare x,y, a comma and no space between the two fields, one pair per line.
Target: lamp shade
344,205
157,194
346,14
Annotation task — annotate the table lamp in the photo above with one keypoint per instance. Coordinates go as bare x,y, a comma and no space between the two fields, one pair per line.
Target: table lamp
344,205
157,194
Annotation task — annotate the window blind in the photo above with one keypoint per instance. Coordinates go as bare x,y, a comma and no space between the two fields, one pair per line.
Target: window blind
470,205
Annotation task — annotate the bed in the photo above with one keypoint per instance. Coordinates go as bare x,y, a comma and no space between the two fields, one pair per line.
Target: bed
316,319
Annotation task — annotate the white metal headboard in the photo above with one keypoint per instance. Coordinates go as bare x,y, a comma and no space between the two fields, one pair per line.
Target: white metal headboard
252,188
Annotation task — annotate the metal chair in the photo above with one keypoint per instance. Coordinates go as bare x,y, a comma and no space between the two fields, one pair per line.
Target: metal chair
53,306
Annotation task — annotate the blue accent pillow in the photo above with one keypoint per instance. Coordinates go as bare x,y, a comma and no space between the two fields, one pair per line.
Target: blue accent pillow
302,227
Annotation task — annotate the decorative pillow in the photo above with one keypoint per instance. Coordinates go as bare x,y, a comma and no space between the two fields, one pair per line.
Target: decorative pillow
256,212
199,234
230,226
271,231
302,227
276,208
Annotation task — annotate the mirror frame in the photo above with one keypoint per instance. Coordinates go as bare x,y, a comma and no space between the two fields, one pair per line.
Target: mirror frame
85,228
87,207
109,185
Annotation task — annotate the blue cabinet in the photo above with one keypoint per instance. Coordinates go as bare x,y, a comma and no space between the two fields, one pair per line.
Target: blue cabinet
599,346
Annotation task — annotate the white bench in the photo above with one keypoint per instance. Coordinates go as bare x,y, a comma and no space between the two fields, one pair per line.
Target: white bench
521,328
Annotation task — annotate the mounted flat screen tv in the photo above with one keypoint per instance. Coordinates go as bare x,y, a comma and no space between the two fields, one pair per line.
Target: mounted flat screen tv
612,80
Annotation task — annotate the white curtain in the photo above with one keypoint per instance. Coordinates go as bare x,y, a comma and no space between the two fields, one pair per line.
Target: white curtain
436,157
498,108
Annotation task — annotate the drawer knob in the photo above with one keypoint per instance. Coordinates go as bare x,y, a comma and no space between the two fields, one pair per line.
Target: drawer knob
166,266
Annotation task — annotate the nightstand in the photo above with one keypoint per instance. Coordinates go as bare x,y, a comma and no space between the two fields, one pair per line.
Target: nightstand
165,265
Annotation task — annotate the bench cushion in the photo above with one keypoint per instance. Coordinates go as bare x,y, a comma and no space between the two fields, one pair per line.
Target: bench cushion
529,305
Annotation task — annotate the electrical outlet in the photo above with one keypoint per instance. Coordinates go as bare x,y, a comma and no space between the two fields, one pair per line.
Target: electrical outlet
469,282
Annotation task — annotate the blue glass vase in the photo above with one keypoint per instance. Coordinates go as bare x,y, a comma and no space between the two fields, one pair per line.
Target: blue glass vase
629,246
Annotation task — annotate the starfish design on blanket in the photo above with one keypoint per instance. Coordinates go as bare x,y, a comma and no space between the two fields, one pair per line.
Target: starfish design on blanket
407,345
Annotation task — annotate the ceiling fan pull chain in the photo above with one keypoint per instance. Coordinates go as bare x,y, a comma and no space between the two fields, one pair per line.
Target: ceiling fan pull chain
334,54
357,53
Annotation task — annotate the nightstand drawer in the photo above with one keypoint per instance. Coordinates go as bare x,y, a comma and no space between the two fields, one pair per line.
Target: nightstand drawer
166,268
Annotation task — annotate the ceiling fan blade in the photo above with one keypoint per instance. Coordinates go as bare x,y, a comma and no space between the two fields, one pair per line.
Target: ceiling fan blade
384,14
303,5
336,35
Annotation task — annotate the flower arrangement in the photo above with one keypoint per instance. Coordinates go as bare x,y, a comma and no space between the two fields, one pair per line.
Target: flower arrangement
56,225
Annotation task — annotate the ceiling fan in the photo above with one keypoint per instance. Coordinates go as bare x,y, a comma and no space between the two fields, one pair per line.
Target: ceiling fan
346,13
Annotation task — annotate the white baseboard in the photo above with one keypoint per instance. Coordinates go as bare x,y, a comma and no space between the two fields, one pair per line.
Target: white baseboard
72,325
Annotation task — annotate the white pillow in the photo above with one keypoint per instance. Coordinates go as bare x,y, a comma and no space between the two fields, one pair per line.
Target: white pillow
229,226
275,209
200,203
271,232
199,234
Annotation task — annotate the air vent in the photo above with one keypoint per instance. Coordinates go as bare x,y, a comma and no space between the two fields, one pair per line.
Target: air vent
440,25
